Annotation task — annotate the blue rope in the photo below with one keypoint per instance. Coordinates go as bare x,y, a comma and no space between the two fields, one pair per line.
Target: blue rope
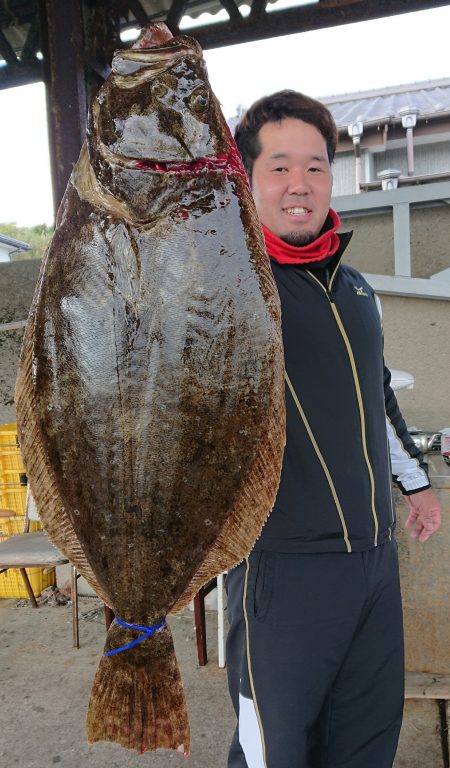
148,632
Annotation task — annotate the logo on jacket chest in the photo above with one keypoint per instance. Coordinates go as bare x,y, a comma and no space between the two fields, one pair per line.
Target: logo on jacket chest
360,291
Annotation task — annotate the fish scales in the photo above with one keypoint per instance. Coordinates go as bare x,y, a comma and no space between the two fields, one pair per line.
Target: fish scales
150,395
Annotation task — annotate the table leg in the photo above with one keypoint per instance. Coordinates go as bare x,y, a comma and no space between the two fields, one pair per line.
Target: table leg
28,587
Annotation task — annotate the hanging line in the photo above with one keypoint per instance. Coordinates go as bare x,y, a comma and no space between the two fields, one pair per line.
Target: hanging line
148,632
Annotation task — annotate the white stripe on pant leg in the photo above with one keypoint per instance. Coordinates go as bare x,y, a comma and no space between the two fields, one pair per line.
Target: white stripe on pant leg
249,733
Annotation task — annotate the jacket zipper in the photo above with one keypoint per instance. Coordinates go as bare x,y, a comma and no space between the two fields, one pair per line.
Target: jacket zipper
351,358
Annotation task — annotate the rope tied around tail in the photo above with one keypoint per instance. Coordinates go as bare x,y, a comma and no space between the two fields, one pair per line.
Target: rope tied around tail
147,632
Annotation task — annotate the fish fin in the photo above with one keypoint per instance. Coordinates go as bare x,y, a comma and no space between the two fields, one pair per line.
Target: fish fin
137,698
259,489
251,509
41,477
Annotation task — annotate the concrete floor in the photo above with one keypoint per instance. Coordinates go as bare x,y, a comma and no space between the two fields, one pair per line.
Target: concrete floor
45,686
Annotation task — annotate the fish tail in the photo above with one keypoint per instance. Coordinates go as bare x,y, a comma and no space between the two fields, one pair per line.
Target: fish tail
137,698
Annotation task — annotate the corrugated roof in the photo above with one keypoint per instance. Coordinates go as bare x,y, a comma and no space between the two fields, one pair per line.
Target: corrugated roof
432,98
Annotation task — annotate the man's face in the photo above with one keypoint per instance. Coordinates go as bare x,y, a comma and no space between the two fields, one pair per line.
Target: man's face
291,180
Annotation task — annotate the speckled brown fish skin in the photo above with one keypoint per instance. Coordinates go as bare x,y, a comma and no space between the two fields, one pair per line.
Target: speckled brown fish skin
150,396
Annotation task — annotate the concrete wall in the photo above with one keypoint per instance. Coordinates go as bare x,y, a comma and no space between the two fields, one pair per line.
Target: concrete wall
424,571
17,283
430,240
417,331
372,245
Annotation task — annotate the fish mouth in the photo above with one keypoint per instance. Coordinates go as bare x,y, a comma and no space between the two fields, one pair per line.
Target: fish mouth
229,164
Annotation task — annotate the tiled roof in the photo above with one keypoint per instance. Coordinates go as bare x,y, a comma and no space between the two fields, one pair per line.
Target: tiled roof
432,98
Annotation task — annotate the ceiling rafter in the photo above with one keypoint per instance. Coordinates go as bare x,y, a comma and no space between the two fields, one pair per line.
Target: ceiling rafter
258,8
139,13
232,10
177,10
32,42
7,50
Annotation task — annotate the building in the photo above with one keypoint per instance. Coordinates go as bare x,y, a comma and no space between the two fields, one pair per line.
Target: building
392,187
392,137
392,170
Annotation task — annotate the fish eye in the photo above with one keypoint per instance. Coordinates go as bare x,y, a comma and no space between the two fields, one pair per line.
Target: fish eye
199,100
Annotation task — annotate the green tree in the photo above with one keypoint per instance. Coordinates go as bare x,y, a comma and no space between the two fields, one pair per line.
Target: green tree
38,237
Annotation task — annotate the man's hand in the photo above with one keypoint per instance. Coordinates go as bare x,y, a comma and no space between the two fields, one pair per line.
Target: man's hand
424,514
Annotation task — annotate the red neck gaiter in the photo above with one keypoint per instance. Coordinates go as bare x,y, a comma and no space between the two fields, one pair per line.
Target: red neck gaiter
325,245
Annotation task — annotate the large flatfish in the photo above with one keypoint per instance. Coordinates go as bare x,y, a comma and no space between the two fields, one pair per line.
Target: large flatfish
150,395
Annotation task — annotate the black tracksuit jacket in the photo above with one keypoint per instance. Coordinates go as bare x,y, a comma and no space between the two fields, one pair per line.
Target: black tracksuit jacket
335,490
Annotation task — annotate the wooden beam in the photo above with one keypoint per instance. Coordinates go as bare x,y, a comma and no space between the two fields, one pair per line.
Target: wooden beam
303,19
62,44
12,75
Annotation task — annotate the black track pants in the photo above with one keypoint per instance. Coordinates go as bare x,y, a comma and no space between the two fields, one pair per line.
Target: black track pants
315,661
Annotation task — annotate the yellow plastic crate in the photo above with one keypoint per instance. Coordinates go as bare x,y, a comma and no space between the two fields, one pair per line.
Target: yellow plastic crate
12,474
13,498
10,459
12,583
8,436
13,477
11,525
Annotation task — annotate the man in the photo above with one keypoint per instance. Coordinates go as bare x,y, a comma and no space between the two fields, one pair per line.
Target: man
315,647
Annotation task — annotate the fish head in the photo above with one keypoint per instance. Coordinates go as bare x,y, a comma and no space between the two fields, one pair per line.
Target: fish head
157,107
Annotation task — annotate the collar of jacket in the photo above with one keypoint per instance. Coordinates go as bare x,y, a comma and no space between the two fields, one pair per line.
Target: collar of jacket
330,261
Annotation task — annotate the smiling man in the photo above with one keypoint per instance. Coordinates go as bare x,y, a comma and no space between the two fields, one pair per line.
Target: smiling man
315,646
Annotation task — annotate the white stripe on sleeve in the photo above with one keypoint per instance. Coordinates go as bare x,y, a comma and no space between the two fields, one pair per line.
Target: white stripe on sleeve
406,469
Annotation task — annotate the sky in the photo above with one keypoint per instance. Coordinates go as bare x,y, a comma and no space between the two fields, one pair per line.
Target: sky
385,52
